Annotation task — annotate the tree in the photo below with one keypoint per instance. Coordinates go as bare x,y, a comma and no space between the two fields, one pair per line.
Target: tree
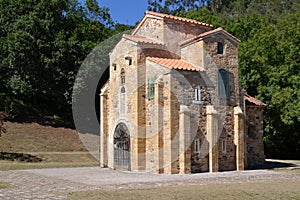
268,62
42,44
3,116
270,69
175,7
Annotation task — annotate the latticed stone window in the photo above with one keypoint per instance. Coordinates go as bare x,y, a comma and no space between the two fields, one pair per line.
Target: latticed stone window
151,88
197,94
223,84
197,145
224,146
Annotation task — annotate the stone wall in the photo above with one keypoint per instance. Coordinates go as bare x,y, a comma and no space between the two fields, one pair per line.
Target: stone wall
227,158
254,137
162,126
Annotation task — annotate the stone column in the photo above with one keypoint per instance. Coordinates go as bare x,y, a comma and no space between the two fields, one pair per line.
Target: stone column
184,140
103,131
167,126
213,137
158,127
239,138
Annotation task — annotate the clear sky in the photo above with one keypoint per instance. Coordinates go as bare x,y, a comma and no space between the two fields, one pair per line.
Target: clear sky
125,11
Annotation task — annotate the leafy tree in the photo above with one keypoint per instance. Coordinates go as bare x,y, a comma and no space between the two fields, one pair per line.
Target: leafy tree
175,6
268,60
270,69
42,44
203,15
3,116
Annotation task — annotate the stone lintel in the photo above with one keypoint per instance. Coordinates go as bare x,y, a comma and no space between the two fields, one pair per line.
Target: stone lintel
238,111
210,110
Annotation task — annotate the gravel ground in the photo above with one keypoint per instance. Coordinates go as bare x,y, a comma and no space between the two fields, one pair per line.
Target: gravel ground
57,183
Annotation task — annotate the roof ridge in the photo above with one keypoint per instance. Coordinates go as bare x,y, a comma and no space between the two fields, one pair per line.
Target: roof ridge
200,36
254,100
141,39
173,63
162,15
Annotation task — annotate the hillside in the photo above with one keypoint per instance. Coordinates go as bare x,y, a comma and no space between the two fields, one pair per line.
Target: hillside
32,137
31,145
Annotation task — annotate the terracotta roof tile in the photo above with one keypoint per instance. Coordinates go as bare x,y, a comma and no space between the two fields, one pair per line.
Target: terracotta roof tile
254,100
177,18
173,63
203,35
139,39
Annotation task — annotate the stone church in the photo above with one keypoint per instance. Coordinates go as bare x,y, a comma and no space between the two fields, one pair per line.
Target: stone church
173,103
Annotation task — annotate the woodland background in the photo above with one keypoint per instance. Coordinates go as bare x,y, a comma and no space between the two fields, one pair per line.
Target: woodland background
44,42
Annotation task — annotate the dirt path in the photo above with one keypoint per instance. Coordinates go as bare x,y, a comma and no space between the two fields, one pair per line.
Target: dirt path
57,183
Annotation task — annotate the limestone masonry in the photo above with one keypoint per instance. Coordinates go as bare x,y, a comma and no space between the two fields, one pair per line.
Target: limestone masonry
173,103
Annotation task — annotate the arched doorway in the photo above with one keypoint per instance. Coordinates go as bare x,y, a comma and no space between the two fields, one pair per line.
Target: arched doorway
122,147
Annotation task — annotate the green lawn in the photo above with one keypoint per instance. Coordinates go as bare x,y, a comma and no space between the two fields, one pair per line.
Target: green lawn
262,190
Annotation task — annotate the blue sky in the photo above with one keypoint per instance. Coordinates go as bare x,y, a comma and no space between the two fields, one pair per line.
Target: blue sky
125,11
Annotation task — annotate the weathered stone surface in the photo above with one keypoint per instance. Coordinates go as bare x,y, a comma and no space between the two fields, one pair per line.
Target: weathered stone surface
153,100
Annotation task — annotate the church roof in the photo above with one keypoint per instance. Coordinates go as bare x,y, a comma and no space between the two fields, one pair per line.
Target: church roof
165,16
208,34
140,39
254,100
173,63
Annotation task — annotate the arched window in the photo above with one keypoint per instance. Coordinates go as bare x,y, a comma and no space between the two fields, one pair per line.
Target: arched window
220,48
123,89
122,76
223,84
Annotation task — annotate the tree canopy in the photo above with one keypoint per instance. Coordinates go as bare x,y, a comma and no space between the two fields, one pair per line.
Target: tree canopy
268,58
268,62
44,42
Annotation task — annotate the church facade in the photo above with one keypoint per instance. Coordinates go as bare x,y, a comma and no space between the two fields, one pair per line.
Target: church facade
173,103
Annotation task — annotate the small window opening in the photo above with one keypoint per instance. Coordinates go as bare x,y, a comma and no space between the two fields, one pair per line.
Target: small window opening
224,146
197,146
223,84
220,48
129,59
122,76
197,94
123,90
151,87
115,67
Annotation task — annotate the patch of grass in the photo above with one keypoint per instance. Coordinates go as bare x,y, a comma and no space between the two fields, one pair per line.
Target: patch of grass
291,170
4,185
260,190
53,160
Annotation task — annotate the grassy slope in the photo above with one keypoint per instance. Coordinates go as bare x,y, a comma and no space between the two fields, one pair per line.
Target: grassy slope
32,137
58,147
